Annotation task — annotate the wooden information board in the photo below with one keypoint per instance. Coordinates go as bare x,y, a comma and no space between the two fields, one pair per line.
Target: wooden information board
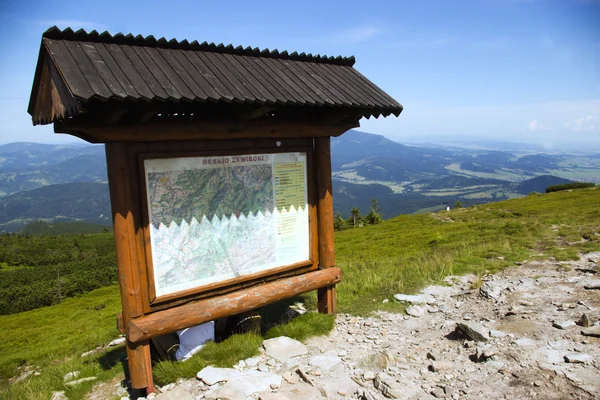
219,168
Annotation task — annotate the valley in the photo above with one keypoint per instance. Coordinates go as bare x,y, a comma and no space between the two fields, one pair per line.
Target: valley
67,183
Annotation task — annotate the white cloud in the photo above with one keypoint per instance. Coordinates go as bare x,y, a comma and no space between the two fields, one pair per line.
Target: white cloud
588,123
535,122
535,125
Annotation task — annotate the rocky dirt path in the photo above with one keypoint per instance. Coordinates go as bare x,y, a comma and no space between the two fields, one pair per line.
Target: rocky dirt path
515,337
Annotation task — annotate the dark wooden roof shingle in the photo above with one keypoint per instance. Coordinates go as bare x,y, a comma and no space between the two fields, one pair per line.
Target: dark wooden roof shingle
98,67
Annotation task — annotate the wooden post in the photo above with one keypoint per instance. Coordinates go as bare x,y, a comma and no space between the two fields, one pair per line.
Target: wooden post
327,302
124,225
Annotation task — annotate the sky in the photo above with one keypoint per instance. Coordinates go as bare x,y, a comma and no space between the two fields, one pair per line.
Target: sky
511,70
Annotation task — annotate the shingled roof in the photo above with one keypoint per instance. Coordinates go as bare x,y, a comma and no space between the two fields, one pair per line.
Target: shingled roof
76,71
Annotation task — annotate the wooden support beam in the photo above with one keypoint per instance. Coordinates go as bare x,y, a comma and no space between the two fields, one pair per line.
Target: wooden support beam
198,312
327,302
120,185
183,128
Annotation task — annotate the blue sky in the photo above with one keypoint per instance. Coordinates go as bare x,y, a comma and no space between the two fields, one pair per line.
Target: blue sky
521,70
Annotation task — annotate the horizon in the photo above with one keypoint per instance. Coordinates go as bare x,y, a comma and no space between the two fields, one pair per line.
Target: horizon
523,71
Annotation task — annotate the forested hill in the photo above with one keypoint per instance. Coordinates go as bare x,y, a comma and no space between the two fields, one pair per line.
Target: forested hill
403,179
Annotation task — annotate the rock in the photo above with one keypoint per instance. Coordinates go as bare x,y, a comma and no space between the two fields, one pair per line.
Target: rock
117,341
263,367
440,366
290,378
418,299
283,348
592,284
380,360
564,324
71,375
474,330
388,386
593,331
493,290
415,311
342,353
252,361
79,381
211,375
271,362
438,393
579,358
272,396
177,393
369,376
496,334
326,362
524,342
247,383
59,396
585,321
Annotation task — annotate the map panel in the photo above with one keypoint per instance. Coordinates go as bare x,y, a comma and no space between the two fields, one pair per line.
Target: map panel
215,218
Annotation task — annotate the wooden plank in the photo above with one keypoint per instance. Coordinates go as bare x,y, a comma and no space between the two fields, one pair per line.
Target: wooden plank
171,320
126,66
156,72
69,69
266,81
277,81
103,70
326,296
373,89
332,82
101,90
165,130
142,71
110,63
359,92
277,70
190,75
309,87
258,89
172,75
324,85
213,80
229,76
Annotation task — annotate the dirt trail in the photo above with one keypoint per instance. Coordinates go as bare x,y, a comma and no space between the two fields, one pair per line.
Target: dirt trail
522,352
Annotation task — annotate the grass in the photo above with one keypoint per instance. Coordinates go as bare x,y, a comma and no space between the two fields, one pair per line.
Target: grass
400,255
403,254
303,327
239,347
224,354
51,340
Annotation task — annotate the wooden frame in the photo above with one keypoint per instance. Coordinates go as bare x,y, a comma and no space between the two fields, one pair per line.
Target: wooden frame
233,283
143,317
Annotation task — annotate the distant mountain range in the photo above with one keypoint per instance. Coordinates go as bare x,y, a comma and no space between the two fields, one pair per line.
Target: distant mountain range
69,182
25,166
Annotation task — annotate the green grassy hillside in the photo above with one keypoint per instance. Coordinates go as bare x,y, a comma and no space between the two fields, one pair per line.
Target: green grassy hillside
403,253
400,255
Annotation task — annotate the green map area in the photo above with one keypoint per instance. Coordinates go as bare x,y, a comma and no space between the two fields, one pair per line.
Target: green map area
182,195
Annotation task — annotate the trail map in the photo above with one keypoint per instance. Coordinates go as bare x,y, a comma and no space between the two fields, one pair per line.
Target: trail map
214,218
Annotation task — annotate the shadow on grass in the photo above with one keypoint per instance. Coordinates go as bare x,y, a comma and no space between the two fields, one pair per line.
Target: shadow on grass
113,357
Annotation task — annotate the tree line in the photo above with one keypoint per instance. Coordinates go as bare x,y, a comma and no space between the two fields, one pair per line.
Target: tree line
356,219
